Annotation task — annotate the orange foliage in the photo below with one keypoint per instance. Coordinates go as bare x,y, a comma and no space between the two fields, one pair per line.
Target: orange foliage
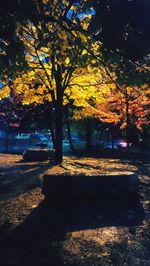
114,109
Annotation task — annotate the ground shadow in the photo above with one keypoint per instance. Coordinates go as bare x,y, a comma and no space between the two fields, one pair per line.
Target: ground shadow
21,177
32,243
143,167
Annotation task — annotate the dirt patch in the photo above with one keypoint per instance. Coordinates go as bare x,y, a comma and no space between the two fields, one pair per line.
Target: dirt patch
88,233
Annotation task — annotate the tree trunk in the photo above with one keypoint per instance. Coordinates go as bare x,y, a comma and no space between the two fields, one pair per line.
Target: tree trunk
112,138
53,136
59,131
69,136
88,135
127,128
59,118
69,130
6,141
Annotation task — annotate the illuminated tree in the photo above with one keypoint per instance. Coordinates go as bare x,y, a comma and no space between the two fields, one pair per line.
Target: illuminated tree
54,48
59,40
127,107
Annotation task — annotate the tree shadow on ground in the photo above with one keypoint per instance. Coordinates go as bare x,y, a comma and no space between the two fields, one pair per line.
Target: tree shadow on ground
33,242
143,167
21,177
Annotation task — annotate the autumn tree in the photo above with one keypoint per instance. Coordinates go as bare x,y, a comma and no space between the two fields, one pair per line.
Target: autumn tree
88,91
54,48
55,40
121,29
11,113
114,104
128,107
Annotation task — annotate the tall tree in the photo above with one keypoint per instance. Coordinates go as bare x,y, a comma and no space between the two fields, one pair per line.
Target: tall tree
55,37
54,46
129,107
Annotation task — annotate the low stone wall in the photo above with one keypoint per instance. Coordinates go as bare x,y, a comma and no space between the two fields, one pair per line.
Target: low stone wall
38,154
65,186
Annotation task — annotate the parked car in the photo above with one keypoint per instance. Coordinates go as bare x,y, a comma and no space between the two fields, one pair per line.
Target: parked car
41,145
119,145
